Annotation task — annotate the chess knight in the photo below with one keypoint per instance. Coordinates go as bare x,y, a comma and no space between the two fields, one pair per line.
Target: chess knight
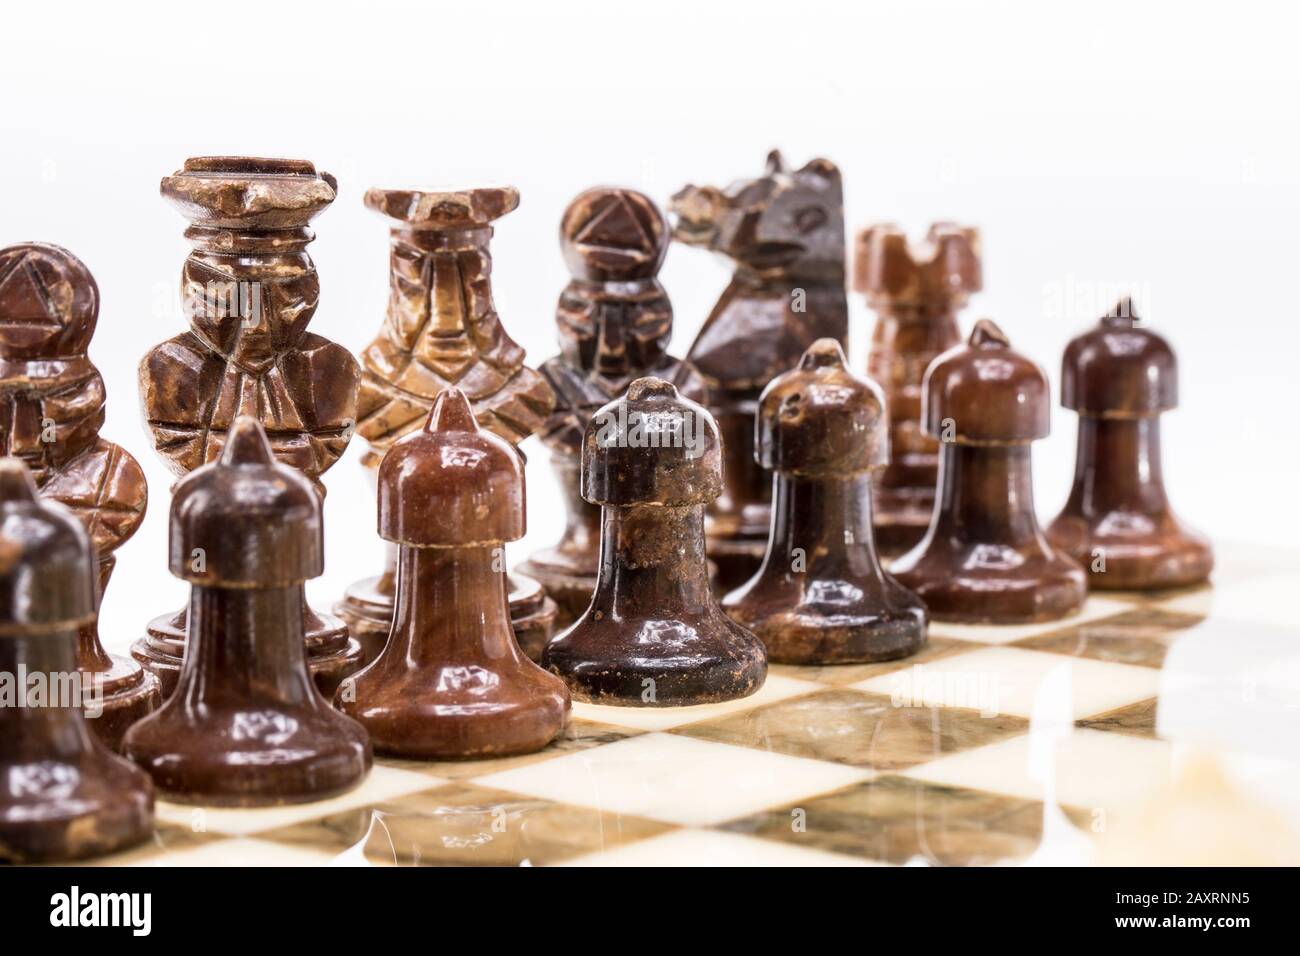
615,322
51,411
784,232
249,289
441,329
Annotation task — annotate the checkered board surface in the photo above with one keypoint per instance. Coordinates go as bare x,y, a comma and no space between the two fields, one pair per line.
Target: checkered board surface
964,754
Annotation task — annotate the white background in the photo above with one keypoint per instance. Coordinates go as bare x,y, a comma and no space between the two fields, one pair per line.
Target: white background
1120,147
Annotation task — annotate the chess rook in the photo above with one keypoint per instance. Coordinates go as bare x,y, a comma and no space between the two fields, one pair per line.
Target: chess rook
821,595
784,232
654,635
614,321
441,330
984,558
63,795
451,682
249,289
1120,377
916,291
246,725
51,410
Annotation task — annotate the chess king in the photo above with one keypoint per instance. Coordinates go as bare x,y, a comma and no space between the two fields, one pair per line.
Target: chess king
51,411
614,321
442,329
249,289
785,233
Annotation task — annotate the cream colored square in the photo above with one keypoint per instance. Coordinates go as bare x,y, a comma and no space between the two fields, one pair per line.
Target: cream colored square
383,783
713,848
1089,769
1268,599
1094,608
1010,680
676,779
774,688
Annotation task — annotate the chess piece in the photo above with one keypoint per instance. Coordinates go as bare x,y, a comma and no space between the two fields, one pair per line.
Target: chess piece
615,321
451,681
785,233
821,595
247,725
63,795
984,559
916,292
654,635
1121,377
442,330
51,410
249,289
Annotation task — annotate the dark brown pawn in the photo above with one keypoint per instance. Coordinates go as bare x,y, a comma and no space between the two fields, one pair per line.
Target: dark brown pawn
821,596
1121,377
916,292
984,559
247,725
451,682
654,635
442,329
784,230
615,321
63,795
51,411
249,289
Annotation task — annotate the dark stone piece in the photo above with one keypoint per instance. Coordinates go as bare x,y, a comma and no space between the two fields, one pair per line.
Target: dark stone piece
984,558
63,795
451,682
1121,377
785,233
442,330
821,595
916,292
247,725
615,322
654,635
51,411
249,289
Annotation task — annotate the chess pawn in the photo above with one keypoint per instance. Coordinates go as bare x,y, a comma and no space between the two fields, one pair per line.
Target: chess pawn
53,401
246,725
441,330
451,682
821,595
984,559
249,290
615,321
1121,377
916,292
654,635
784,231
63,795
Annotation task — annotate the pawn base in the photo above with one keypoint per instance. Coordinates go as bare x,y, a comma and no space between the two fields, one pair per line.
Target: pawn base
1169,557
1044,587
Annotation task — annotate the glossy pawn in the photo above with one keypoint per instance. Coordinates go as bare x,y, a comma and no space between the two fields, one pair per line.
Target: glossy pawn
246,725
984,558
654,635
916,291
821,595
63,795
451,682
1121,377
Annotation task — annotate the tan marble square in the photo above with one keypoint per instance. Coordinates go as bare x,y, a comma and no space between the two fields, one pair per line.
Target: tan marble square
1136,720
687,847
675,779
1094,608
1141,637
464,825
898,820
168,843
861,729
840,675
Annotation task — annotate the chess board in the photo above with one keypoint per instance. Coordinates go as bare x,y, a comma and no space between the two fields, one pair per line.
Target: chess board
994,745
